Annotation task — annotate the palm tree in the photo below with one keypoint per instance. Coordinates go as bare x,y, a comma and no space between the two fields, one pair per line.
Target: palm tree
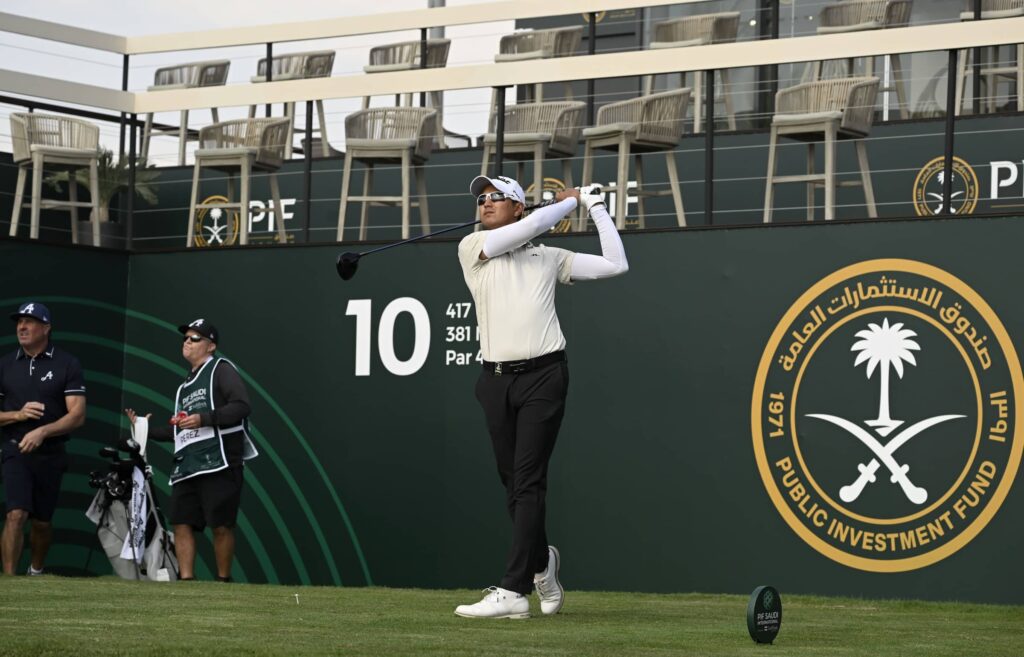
113,177
886,346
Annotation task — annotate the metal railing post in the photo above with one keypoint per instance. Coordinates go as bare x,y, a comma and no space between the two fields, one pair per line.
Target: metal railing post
423,61
269,71
130,201
591,49
124,87
947,167
499,130
709,146
976,69
307,171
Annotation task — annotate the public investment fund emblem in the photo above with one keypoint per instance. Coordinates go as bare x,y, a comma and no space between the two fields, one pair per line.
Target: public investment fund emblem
930,184
885,415
216,226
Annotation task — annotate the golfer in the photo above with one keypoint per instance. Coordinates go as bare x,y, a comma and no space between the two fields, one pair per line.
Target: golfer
525,374
42,400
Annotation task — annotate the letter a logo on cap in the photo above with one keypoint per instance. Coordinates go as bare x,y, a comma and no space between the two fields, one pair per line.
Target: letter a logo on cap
198,322
29,309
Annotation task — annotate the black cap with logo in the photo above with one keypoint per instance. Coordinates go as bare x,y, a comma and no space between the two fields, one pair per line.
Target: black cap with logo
202,327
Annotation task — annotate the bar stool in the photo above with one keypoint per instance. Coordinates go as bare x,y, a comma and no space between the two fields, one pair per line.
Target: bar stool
539,44
42,141
184,76
243,145
299,66
405,56
394,135
829,111
647,124
698,31
536,131
992,73
862,15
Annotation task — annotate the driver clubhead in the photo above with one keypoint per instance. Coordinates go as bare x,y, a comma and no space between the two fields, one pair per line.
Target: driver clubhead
347,264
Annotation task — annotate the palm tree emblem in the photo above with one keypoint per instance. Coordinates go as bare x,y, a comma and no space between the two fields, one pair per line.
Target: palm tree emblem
884,347
216,229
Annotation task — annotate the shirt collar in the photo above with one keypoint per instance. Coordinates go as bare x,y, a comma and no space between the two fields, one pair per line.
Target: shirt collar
45,353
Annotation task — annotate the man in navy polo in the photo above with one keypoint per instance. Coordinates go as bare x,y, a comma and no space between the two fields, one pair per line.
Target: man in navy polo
42,400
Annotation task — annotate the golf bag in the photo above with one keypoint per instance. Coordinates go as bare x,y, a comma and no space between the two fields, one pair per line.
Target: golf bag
129,524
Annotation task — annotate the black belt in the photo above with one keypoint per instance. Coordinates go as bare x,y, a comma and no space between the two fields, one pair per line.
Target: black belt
520,366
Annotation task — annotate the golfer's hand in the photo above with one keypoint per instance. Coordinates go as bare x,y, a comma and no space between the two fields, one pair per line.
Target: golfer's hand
130,412
191,422
31,411
572,192
591,195
32,440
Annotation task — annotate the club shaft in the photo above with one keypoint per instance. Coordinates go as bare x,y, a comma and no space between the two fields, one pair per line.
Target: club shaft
419,237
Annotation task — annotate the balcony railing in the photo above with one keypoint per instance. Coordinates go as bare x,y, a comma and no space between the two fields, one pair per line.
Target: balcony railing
723,152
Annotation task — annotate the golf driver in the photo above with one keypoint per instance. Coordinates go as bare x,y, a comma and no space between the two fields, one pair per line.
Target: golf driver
348,262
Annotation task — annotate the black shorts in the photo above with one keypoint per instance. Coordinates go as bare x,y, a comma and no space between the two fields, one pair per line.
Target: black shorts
209,500
32,481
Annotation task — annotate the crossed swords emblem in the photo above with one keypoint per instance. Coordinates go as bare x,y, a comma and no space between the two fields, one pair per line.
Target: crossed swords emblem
884,454
939,198
889,346
216,229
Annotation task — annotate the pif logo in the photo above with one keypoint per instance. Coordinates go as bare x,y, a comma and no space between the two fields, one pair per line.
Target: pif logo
216,226
929,185
885,415
221,226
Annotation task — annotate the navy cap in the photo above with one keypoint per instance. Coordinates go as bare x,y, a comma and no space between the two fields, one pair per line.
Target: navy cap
32,309
201,326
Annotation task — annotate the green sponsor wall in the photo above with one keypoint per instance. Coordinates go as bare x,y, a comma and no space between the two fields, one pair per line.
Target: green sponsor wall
389,479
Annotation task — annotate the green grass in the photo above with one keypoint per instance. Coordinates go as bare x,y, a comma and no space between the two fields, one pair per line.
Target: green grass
50,615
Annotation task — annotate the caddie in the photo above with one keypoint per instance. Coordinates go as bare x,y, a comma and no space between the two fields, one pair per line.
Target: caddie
210,430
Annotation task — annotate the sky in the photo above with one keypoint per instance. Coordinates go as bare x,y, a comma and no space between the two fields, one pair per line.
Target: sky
465,111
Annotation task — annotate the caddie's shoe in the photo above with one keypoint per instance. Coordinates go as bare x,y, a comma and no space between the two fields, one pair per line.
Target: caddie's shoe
549,589
498,603
32,572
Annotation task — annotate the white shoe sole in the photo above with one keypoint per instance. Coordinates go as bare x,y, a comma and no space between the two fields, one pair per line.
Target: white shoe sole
509,616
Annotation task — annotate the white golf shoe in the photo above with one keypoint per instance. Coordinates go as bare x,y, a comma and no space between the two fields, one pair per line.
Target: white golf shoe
498,603
549,589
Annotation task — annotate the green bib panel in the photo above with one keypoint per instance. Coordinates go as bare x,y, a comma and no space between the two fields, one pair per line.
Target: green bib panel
201,451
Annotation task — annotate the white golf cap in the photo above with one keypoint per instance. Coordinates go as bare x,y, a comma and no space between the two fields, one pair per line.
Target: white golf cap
501,183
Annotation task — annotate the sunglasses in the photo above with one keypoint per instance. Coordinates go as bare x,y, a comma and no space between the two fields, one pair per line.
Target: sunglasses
494,197
193,338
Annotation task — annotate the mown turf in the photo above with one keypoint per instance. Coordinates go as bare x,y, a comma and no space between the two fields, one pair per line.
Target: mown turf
49,615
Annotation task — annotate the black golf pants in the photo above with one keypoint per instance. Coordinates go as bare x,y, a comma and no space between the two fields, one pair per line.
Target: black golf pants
524,412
